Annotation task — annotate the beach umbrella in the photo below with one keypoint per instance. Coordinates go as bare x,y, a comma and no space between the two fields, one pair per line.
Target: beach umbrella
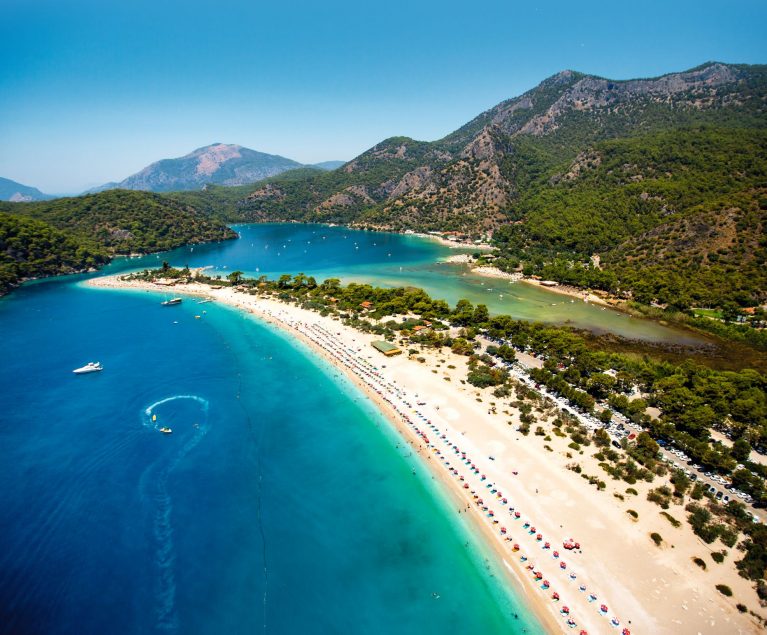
556,554
626,631
562,565
516,547
555,596
565,610
615,621
546,545
538,537
573,576
571,622
546,584
603,608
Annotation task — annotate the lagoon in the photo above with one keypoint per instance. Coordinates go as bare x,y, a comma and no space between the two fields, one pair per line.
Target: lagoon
388,259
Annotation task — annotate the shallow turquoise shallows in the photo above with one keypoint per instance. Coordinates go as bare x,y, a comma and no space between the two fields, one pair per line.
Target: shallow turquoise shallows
280,503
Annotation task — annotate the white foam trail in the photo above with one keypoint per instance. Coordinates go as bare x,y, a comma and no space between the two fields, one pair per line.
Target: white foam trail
165,557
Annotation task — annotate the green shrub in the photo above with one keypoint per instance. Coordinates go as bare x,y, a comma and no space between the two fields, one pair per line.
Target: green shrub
724,590
700,563
656,538
674,522
717,556
632,513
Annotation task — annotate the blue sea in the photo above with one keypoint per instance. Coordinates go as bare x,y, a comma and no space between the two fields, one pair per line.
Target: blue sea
281,502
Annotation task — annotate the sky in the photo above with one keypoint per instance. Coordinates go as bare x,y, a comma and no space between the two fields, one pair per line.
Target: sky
93,91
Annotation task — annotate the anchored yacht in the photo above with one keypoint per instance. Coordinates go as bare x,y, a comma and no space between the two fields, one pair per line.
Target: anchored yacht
90,367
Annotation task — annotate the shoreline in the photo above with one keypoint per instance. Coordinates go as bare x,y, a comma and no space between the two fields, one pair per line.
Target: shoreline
465,421
452,494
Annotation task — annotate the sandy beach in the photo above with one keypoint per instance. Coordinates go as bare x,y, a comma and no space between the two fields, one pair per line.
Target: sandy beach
489,271
520,495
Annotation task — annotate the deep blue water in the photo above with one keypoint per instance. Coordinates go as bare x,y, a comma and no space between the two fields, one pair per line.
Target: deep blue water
281,502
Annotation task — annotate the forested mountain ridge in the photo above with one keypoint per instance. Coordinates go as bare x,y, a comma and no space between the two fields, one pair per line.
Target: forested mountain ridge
677,217
471,179
529,170
74,234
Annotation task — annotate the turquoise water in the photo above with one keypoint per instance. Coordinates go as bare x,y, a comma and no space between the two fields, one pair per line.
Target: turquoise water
395,260
281,502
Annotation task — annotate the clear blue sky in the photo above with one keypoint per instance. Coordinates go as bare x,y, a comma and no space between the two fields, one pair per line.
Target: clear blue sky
92,91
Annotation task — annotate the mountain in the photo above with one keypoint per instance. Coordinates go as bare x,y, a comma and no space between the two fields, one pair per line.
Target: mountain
66,235
219,163
327,165
579,166
18,193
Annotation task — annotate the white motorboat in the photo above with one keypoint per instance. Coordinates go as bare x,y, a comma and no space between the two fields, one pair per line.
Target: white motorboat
90,367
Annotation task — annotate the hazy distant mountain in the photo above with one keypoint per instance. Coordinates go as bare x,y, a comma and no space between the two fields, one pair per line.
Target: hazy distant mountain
220,163
328,165
18,193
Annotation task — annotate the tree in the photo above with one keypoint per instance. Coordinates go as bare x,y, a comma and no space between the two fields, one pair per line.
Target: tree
741,450
481,315
647,445
462,347
235,277
601,437
606,416
464,313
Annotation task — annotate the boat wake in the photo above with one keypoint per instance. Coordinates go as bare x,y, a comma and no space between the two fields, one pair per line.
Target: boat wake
154,486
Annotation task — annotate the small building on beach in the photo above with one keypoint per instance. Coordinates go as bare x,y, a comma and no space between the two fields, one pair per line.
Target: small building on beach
387,348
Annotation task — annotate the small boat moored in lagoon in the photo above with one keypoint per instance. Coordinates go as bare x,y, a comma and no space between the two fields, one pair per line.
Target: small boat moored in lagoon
166,430
171,302
90,367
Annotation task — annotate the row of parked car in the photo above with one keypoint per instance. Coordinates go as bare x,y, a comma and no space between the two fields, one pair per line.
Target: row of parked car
620,427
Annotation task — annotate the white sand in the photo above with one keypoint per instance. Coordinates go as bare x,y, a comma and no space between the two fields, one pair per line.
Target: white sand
649,589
